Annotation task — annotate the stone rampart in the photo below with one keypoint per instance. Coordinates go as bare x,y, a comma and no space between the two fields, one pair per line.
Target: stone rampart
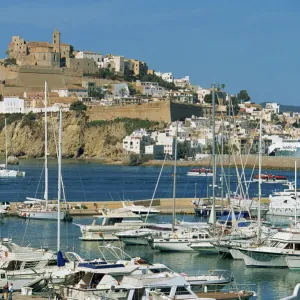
156,111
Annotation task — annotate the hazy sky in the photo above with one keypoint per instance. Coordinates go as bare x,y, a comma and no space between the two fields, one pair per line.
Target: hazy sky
253,45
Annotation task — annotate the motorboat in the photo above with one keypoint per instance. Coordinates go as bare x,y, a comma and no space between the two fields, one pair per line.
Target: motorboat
270,178
203,172
110,221
140,210
181,240
275,251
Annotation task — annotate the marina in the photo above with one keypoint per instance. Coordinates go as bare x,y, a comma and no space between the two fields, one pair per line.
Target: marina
191,262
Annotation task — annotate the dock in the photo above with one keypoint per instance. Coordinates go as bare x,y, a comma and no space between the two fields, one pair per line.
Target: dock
165,205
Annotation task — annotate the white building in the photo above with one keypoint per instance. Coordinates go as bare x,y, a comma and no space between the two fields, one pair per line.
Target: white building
137,141
121,90
12,105
273,107
113,62
161,138
165,76
151,88
201,93
97,57
72,91
182,82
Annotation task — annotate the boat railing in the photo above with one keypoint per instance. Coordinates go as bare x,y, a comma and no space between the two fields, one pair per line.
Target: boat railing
231,287
225,274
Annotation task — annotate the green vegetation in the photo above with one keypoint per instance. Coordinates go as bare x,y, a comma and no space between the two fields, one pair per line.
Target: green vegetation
133,91
9,62
78,106
10,118
161,82
97,93
243,96
28,119
130,124
1,97
184,150
106,73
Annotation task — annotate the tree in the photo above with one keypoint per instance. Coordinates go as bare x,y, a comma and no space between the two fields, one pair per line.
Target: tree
122,92
106,73
9,62
1,97
243,96
78,106
133,91
233,106
97,93
7,52
208,98
184,150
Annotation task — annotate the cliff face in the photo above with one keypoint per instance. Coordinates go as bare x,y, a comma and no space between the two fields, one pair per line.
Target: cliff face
25,137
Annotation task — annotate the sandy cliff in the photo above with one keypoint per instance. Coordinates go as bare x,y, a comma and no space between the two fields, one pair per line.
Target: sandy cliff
26,137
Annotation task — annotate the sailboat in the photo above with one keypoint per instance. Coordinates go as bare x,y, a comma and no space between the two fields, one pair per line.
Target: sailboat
44,209
4,171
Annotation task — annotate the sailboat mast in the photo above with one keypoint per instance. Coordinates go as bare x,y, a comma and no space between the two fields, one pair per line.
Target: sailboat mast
5,145
46,149
174,178
222,168
213,211
59,178
295,194
259,181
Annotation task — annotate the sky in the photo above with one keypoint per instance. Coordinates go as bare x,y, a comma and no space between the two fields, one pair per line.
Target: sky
252,45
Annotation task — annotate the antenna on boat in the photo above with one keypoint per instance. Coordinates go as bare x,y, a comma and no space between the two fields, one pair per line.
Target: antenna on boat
174,179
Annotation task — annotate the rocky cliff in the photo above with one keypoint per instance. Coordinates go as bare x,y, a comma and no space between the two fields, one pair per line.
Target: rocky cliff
81,138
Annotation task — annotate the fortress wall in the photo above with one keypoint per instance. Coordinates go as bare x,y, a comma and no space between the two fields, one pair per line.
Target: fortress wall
155,111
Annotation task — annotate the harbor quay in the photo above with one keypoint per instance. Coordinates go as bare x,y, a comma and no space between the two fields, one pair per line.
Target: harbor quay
165,205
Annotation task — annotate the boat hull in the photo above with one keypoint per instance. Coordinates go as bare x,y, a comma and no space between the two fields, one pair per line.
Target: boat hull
11,173
41,215
172,245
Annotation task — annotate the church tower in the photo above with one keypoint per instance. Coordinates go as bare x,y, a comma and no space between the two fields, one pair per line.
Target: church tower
56,41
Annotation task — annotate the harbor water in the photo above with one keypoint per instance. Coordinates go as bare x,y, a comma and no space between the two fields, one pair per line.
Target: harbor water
95,182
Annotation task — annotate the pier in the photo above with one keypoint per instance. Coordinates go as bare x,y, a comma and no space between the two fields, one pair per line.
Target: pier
165,205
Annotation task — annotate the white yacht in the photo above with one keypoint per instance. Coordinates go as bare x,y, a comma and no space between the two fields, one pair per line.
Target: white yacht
140,210
275,251
181,240
112,221
285,147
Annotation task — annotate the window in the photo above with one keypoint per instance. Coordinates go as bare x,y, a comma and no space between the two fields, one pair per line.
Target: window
3,276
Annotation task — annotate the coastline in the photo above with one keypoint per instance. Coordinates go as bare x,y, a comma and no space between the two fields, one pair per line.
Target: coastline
251,161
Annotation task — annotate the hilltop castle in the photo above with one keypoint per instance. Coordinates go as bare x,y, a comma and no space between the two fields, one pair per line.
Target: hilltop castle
42,54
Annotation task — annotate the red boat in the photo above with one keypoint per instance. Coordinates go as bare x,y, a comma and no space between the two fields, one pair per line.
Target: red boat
270,178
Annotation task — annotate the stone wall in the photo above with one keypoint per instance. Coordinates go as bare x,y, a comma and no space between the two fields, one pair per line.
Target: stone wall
155,111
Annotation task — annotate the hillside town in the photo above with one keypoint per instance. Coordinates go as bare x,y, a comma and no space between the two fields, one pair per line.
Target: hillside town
113,84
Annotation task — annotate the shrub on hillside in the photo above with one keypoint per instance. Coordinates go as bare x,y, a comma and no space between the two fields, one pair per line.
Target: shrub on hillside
78,106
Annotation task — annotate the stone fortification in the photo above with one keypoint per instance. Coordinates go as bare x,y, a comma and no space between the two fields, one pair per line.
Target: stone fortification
155,111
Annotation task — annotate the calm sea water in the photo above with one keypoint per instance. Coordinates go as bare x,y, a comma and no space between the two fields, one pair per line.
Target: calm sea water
91,182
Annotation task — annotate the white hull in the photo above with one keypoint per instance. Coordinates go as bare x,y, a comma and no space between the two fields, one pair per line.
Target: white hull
199,174
293,262
135,241
264,260
271,181
283,211
204,247
4,173
106,232
236,254
40,215
172,245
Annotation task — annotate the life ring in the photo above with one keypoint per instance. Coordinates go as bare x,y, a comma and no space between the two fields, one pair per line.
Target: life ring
6,253
100,233
175,236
